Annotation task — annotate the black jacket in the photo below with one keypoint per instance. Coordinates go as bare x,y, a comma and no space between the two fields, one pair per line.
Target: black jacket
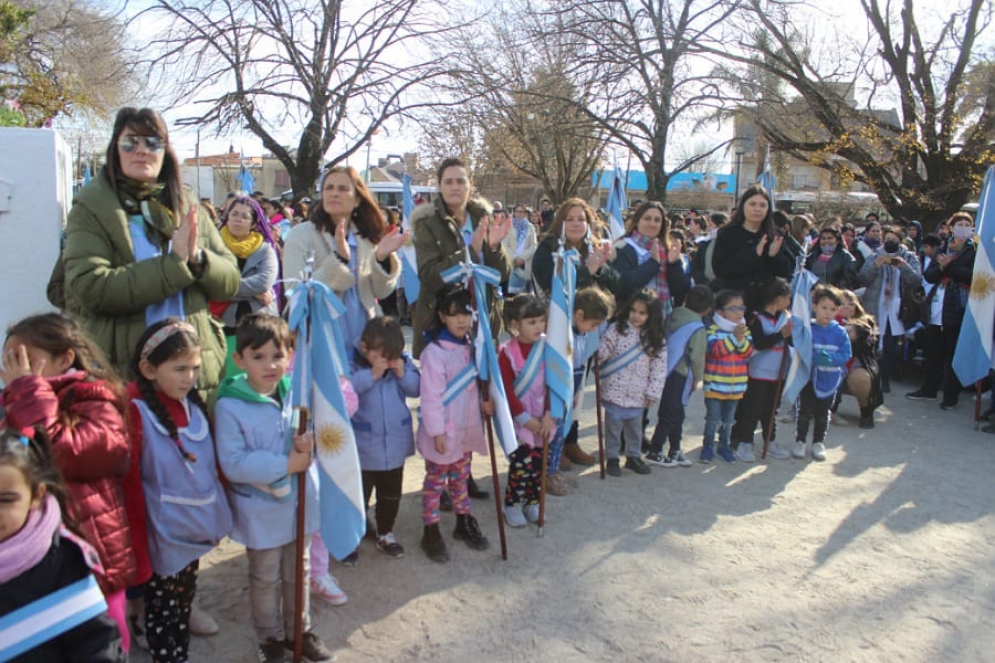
95,641
737,265
960,271
542,270
633,277
841,270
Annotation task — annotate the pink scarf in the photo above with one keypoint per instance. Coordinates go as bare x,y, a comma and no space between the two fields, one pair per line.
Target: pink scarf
662,287
28,547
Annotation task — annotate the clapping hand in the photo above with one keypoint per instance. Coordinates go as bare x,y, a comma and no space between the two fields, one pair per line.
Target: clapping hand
391,241
186,236
499,230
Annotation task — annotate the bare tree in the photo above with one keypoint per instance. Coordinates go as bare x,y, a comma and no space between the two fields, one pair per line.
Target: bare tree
636,61
63,57
923,158
336,70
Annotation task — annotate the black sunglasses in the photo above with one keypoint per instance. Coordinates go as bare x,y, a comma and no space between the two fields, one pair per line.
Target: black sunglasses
131,142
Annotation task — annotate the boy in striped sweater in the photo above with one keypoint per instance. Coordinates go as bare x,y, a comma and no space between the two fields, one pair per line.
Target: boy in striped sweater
726,373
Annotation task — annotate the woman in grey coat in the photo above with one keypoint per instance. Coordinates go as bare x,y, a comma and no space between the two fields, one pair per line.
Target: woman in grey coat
246,233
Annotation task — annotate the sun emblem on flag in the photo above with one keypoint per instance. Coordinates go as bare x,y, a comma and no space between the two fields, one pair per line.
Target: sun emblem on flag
983,285
331,440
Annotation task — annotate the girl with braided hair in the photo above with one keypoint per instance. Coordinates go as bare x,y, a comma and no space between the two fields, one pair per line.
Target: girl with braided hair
179,509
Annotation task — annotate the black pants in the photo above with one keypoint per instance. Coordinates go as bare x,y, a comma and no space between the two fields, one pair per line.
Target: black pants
757,406
934,352
168,601
388,484
951,385
670,415
810,407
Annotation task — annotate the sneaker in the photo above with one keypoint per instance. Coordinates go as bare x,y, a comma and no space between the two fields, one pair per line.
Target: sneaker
678,458
328,590
745,452
777,452
636,464
388,545
657,459
819,451
706,454
556,484
613,468
726,453
531,512
312,649
352,559
948,405
921,395
798,451
202,623
272,651
513,516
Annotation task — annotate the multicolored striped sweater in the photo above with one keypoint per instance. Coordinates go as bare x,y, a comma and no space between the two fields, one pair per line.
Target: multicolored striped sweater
726,361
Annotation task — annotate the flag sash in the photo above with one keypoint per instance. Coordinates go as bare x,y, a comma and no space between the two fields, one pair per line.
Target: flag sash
616,364
530,370
458,384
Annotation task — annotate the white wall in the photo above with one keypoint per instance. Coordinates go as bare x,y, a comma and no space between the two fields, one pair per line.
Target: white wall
35,196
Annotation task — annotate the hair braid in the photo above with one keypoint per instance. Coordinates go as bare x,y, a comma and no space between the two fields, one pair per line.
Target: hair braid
151,398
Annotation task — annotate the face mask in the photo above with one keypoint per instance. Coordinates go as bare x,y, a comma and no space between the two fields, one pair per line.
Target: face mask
891,247
872,242
963,232
827,249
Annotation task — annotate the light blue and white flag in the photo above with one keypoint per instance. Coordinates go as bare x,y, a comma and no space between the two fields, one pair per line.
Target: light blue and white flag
617,205
409,261
478,277
767,179
86,174
245,178
560,339
320,360
800,369
973,355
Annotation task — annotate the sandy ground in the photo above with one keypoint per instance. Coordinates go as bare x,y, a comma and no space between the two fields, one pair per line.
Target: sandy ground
882,553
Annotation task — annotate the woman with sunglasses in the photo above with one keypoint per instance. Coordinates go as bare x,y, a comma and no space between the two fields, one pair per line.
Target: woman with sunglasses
140,249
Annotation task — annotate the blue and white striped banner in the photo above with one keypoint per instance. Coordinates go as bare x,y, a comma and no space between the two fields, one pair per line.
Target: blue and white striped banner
485,355
800,369
321,359
49,617
409,261
559,337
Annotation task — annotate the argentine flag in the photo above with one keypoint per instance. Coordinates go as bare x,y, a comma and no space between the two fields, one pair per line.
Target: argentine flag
617,206
559,338
409,262
767,179
484,354
973,356
321,359
800,370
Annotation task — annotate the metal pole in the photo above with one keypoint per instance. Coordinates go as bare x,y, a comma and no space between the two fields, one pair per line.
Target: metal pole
197,160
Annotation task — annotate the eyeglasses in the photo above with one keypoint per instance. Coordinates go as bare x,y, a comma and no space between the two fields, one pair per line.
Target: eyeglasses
735,309
131,142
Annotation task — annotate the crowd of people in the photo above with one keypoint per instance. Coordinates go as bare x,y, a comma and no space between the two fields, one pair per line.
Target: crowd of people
152,417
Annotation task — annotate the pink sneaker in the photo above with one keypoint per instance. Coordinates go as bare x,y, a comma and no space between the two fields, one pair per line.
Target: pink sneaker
328,589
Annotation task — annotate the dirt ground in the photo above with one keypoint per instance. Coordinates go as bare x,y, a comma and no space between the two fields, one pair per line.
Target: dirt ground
882,553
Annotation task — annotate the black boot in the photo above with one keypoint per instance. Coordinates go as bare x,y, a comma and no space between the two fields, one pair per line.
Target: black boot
867,417
445,501
474,491
433,545
468,531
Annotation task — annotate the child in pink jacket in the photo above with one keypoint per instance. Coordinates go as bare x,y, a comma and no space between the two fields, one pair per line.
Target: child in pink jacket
451,423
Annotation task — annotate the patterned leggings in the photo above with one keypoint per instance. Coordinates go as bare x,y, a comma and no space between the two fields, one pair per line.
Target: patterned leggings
437,477
168,601
524,476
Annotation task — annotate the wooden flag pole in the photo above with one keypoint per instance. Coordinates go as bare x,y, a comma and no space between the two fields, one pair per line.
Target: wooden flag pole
302,417
597,409
482,385
777,399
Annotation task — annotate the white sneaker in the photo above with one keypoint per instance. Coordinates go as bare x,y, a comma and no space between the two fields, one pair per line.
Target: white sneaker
202,623
798,451
514,517
777,452
327,589
819,451
531,512
682,460
745,453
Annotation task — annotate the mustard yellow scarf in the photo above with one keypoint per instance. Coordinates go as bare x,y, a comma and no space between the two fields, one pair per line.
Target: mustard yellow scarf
242,248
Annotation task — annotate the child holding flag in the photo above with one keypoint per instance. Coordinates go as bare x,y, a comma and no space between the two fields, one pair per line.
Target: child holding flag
452,426
258,451
830,352
523,373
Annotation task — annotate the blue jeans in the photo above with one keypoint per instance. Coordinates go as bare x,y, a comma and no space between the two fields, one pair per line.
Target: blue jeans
720,415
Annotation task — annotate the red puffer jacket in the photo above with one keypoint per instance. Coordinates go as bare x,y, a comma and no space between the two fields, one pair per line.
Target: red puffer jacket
90,447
